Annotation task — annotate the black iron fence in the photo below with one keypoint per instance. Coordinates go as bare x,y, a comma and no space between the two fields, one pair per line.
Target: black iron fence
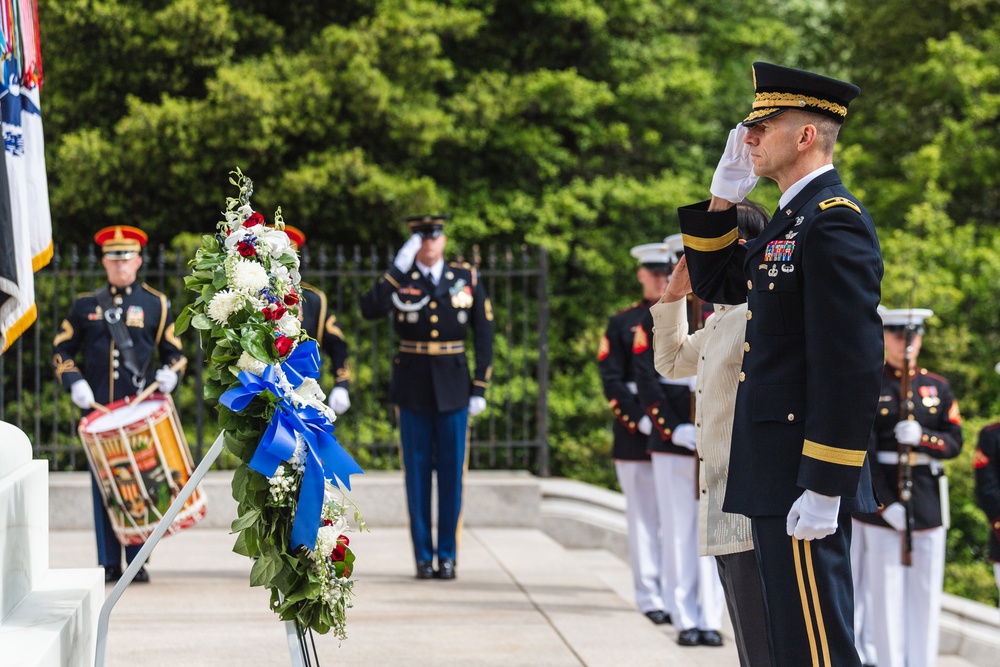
511,434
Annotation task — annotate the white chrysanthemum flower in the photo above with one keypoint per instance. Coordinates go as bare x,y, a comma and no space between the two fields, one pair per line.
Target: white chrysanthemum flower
248,276
290,325
326,540
250,364
224,304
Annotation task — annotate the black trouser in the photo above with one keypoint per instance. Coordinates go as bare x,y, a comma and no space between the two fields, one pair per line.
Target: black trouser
741,581
808,595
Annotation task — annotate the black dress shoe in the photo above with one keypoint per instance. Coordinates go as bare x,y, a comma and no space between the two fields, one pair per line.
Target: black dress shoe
658,616
446,568
710,638
690,637
112,573
425,570
141,577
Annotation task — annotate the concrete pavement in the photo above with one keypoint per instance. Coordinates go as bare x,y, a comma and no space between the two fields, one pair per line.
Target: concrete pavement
520,599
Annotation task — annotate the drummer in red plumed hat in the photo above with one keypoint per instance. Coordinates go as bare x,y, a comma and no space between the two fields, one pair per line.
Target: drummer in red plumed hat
105,351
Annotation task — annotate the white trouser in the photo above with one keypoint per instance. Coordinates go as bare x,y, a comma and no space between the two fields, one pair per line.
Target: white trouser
699,598
863,639
643,519
905,601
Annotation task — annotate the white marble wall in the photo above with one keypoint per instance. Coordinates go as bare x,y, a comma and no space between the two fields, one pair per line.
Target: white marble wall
48,618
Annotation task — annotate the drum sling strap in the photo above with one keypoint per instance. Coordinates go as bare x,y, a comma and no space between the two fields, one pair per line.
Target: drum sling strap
121,336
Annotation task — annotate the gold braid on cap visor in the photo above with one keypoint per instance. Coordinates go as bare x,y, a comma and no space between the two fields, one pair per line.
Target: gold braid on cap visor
768,103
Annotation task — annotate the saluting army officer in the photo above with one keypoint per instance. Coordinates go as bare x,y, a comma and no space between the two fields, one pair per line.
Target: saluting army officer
116,331
812,362
433,305
906,600
322,325
631,429
986,463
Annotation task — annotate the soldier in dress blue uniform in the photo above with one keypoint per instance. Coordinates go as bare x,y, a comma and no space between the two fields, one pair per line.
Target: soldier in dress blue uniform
109,372
433,304
986,463
631,429
813,355
906,600
322,325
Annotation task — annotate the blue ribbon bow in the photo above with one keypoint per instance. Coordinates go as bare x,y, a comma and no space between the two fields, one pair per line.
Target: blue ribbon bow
322,451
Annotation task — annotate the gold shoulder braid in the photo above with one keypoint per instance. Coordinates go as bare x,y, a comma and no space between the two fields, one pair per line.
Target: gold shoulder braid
839,201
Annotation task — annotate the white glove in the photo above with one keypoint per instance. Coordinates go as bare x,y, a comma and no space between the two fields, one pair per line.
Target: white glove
684,436
645,425
734,178
908,432
339,401
813,516
82,394
476,405
408,253
895,516
167,379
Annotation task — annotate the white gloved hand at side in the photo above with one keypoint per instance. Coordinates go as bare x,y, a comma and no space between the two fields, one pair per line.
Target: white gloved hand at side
908,432
339,400
645,425
813,516
476,405
167,379
684,436
408,253
81,394
895,516
734,178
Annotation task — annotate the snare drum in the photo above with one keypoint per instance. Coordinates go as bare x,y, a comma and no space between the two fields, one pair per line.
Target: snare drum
141,460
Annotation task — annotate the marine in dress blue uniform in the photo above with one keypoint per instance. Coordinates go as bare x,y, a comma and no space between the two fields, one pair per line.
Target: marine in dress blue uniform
905,600
812,360
321,324
102,373
986,463
630,447
433,307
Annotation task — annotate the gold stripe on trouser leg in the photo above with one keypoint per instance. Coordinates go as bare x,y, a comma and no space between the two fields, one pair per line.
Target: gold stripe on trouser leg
465,470
820,626
807,617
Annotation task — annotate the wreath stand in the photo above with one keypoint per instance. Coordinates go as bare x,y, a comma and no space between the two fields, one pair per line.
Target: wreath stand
297,647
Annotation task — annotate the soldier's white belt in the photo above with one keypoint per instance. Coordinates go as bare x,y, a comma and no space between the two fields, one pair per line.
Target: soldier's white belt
916,459
432,347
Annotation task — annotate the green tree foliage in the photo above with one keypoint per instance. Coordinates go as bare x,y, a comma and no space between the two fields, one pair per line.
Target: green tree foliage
575,125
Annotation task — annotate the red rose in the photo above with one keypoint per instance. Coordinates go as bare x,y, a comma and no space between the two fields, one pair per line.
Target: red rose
274,311
291,298
327,522
339,553
246,249
254,219
344,539
283,344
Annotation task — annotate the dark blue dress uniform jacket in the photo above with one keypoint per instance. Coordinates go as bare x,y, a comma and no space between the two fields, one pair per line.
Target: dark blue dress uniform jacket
936,411
616,366
986,463
322,325
150,323
431,371
813,355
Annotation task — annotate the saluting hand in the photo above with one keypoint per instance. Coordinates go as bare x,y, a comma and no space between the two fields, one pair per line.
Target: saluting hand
408,253
734,178
679,285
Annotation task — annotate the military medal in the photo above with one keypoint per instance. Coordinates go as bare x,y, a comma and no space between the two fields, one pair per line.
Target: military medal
779,251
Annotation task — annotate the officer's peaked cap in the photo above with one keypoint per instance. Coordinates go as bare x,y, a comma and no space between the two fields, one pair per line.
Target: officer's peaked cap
427,222
899,319
653,256
778,89
120,241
